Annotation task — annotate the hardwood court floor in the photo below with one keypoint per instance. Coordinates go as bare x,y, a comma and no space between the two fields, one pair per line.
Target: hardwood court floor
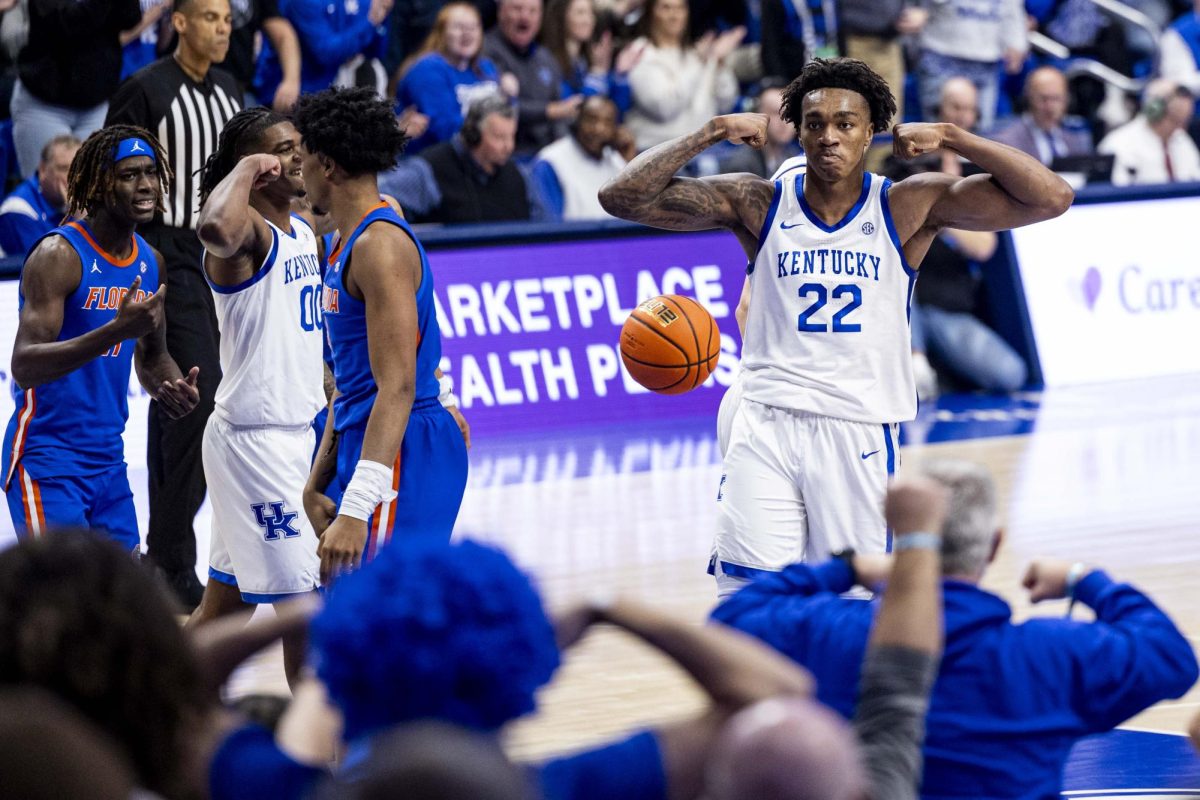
1108,474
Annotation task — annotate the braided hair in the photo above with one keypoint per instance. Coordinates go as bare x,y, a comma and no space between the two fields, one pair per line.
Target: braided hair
242,130
92,176
840,73
354,127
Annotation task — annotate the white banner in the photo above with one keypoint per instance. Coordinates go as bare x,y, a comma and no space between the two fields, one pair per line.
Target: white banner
1113,290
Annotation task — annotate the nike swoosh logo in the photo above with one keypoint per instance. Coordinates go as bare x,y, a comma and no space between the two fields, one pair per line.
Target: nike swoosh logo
783,226
868,455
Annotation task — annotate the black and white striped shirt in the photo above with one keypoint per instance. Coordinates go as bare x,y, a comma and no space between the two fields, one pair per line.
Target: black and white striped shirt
187,117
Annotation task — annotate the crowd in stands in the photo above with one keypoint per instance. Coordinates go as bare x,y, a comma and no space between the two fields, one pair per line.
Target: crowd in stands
419,659
666,65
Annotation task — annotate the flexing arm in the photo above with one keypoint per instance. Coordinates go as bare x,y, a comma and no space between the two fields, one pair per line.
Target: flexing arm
733,669
157,371
228,225
1016,190
50,275
386,266
648,192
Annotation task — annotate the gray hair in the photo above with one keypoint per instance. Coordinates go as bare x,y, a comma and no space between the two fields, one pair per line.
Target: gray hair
969,531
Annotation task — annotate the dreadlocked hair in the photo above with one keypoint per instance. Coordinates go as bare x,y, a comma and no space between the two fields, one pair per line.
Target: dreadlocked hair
242,130
354,127
840,73
92,175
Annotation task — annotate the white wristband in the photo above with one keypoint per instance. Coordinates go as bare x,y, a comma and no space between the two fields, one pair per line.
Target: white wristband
370,486
445,392
917,540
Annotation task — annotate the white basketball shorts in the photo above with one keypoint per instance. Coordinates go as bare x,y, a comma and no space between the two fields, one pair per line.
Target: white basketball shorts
262,541
798,486
727,411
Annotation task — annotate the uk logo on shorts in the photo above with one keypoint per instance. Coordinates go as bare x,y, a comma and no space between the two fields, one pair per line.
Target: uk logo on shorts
281,523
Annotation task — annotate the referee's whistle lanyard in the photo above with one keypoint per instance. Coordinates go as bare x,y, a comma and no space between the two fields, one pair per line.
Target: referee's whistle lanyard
824,46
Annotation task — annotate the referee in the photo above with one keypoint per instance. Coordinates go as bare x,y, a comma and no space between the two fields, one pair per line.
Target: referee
186,103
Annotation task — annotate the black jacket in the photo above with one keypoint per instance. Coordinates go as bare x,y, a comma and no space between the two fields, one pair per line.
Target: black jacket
73,56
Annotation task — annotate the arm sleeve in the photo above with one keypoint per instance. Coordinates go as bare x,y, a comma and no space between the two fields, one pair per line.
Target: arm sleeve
544,181
326,47
434,96
776,608
1015,34
1132,657
890,719
619,92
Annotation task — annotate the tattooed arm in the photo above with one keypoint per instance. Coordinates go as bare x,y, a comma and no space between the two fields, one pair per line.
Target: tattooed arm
648,191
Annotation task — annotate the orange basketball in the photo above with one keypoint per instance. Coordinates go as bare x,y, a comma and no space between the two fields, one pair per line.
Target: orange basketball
670,344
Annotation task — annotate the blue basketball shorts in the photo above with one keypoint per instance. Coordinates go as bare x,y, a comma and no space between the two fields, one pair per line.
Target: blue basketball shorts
102,502
429,477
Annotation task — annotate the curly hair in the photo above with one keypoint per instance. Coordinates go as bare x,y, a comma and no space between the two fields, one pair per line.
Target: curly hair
238,135
92,175
840,73
453,632
354,127
81,619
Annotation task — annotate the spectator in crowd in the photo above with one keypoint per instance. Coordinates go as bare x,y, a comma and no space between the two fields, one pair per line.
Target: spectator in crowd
1010,699
447,74
512,46
431,761
177,96
678,85
1154,146
1179,53
48,751
871,31
37,205
794,33
332,37
961,39
781,143
83,621
792,749
569,173
958,104
68,69
475,173
413,185
586,61
140,43
1039,131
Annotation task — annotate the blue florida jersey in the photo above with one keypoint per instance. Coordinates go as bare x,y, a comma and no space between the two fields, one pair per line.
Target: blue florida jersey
346,327
73,425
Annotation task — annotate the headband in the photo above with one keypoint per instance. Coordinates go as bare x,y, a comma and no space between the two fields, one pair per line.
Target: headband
131,147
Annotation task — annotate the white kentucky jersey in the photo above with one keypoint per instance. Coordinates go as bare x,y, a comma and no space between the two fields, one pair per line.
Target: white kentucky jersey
271,329
827,330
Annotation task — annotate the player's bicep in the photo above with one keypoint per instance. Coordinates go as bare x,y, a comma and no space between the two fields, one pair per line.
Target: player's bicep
691,204
978,203
52,272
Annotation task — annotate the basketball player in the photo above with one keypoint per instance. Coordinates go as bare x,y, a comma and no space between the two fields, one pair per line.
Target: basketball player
396,451
262,264
834,251
87,288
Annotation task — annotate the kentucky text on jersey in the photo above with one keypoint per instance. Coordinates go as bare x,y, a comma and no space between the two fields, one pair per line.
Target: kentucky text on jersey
301,266
100,298
850,263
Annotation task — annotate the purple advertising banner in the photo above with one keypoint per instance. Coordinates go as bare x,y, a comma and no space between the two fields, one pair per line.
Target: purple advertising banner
530,332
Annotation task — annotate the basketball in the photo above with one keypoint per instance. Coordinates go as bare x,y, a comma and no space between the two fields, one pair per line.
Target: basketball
670,344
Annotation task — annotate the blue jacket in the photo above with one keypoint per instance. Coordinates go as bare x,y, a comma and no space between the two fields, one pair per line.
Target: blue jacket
1010,699
443,93
26,216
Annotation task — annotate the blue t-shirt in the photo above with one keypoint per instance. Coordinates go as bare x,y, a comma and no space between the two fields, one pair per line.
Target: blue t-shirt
443,93
248,765
629,769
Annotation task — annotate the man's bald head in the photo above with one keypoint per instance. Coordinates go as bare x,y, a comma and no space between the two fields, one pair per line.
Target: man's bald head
958,103
1046,95
786,749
